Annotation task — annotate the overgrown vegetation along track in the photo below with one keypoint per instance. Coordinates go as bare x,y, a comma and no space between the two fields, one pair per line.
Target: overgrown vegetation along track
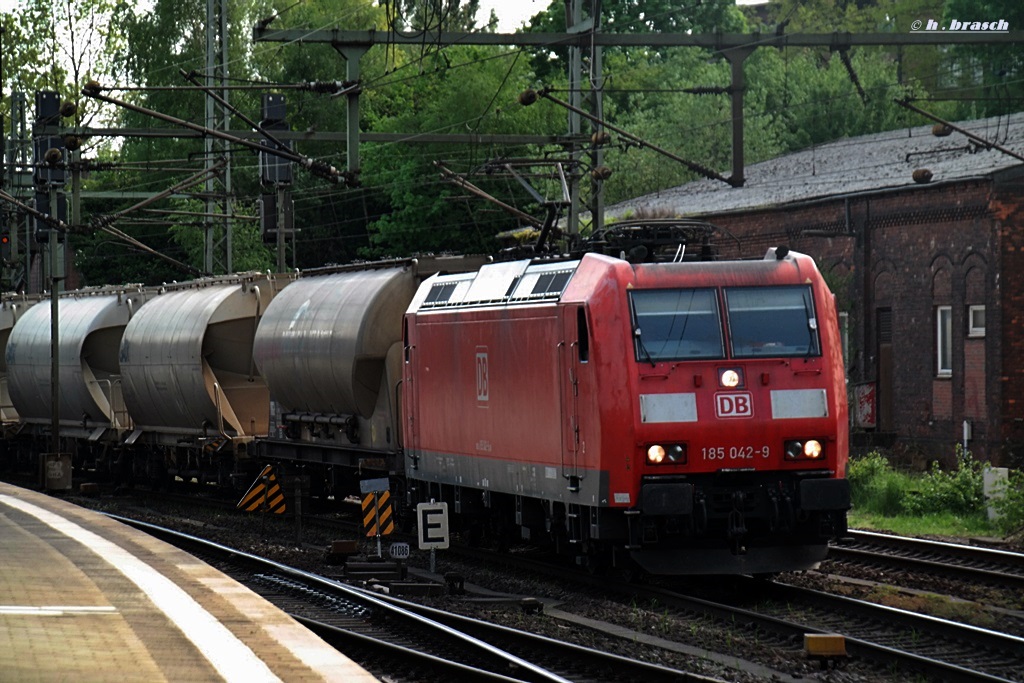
405,642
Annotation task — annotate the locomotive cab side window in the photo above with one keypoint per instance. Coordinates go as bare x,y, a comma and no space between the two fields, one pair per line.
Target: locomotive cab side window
405,338
772,321
676,324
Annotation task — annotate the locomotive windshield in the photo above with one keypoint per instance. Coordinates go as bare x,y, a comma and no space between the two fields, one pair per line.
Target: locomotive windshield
671,324
686,324
772,321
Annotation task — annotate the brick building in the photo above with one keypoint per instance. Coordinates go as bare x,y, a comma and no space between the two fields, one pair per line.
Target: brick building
922,239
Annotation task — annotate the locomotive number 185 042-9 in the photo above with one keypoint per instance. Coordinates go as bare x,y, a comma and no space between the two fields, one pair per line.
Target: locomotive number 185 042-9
735,452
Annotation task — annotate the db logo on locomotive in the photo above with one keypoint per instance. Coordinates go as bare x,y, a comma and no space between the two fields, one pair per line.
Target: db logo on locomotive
483,379
734,405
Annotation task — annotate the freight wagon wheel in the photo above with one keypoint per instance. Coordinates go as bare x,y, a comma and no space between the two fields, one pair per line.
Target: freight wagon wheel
405,514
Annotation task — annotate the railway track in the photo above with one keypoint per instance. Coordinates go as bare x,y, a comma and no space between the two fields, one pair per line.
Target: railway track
999,568
883,639
943,649
880,639
405,642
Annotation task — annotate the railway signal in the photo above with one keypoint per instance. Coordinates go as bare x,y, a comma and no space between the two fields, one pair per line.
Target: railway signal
432,523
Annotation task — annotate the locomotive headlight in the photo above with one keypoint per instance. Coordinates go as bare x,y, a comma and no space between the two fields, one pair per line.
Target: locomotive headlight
670,453
677,453
811,449
730,378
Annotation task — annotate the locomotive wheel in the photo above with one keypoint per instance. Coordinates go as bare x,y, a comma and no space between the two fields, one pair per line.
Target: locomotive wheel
630,572
595,560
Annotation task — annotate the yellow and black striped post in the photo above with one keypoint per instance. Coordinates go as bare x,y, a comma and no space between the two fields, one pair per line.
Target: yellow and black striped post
265,494
377,519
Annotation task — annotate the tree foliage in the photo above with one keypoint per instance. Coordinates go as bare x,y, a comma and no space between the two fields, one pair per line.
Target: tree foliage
962,81
427,214
432,15
628,16
990,76
793,98
250,254
58,44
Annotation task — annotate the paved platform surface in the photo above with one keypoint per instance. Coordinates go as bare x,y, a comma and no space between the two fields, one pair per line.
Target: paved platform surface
85,598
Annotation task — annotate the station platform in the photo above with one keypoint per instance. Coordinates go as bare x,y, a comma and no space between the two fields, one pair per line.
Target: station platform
86,598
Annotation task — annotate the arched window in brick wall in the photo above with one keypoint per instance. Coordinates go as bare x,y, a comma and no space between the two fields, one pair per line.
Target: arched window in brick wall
885,365
974,298
974,344
942,299
942,302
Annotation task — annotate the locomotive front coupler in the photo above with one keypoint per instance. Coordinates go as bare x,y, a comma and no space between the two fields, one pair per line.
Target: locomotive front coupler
737,526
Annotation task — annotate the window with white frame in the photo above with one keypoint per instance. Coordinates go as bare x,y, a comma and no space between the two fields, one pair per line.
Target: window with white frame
944,340
976,321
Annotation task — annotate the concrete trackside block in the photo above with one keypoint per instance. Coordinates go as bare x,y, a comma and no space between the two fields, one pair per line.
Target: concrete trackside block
824,645
340,551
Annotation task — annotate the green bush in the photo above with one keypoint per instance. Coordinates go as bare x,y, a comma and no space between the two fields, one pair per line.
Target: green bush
938,502
959,491
874,486
1011,506
861,470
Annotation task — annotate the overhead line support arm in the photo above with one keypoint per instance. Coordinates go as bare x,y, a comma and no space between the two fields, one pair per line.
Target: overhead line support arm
526,98
977,138
319,168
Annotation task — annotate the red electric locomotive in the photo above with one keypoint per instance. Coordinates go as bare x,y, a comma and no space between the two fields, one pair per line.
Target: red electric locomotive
687,417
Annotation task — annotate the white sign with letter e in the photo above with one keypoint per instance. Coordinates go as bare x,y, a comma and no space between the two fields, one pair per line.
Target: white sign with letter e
432,521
